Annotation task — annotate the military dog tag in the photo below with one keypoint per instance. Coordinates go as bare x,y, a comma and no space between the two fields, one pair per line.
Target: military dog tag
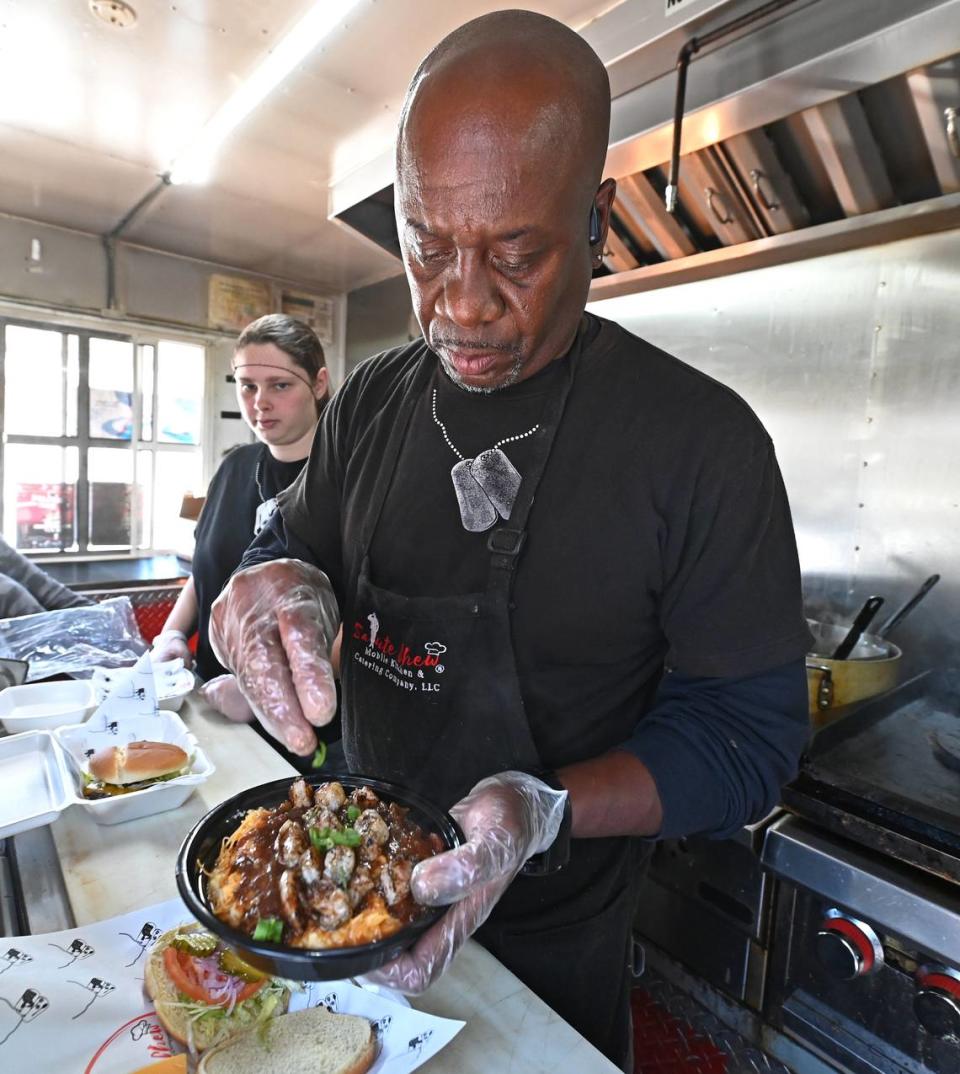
498,478
477,513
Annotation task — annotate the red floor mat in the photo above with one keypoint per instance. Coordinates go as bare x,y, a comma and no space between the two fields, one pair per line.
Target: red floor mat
664,1045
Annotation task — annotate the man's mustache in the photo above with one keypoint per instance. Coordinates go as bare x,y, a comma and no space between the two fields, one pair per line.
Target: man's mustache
473,345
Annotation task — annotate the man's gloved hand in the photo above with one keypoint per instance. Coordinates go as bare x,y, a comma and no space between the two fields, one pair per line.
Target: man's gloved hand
273,626
171,645
223,694
506,818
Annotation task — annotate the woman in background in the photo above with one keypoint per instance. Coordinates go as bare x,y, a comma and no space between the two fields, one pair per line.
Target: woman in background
282,388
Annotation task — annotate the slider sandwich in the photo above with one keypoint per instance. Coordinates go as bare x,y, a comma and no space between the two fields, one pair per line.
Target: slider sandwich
134,767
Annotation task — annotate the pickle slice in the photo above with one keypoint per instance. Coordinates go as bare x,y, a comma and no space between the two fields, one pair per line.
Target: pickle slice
230,962
198,944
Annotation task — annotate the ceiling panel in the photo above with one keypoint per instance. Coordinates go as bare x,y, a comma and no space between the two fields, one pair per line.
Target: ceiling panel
91,114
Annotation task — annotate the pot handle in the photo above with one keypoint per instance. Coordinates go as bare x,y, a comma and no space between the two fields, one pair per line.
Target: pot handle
825,689
901,613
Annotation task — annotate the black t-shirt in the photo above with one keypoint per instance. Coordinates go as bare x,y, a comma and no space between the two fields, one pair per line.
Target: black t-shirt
225,528
660,532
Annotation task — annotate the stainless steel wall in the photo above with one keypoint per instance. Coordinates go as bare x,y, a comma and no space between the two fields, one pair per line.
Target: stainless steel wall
852,362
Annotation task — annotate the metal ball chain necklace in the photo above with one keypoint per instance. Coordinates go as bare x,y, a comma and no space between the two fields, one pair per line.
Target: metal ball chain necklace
487,486
256,477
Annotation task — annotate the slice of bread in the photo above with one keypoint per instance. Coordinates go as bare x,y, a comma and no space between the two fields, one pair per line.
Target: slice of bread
168,1003
311,1041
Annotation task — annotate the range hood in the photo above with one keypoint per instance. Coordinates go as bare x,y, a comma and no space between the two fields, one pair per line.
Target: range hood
819,125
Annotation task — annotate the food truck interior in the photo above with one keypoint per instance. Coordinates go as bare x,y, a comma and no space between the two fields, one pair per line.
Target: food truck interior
787,220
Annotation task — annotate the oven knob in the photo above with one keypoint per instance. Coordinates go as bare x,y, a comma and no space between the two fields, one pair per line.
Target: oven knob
848,948
937,1002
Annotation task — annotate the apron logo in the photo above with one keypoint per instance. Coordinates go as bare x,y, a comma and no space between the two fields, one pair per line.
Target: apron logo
435,648
401,664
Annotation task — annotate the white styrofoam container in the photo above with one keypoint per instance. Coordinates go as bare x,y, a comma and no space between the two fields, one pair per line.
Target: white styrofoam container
172,680
35,786
77,742
39,706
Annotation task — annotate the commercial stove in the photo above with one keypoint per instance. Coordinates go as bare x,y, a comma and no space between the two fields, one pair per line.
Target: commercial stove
864,960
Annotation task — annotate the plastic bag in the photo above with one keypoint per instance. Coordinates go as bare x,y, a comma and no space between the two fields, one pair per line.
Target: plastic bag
74,640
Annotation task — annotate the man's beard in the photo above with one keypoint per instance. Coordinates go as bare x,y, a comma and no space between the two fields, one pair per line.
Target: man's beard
508,381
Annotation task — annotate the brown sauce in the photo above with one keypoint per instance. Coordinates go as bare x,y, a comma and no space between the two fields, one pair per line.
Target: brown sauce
245,884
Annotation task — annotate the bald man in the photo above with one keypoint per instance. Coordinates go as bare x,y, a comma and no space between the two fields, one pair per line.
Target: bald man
577,550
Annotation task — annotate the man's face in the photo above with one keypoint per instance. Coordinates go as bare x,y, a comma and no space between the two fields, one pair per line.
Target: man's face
494,245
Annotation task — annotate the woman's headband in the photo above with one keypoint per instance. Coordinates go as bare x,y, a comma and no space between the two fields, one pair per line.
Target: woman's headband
269,365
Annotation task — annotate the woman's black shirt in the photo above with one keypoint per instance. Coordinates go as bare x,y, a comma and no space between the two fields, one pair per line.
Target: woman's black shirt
226,528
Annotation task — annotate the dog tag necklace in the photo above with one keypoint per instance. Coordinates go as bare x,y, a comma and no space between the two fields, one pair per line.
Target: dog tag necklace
486,486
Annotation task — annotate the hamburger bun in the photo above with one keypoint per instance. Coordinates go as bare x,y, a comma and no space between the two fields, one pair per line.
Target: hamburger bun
137,761
184,1020
311,1041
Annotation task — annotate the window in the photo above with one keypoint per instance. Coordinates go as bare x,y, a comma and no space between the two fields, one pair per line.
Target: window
101,438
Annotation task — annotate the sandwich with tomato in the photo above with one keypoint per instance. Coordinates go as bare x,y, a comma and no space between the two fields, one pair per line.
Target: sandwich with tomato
203,992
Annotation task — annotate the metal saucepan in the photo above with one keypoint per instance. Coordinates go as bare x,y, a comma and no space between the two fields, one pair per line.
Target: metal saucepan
872,667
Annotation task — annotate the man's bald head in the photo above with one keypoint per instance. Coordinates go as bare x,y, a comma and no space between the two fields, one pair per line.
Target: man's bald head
540,73
499,159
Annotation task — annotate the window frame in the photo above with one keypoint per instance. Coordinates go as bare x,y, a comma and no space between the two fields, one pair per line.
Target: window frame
83,441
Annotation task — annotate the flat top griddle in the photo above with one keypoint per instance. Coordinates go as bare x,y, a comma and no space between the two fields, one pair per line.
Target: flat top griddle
881,764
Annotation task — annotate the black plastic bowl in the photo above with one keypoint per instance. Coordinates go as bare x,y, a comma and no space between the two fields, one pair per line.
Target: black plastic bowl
200,849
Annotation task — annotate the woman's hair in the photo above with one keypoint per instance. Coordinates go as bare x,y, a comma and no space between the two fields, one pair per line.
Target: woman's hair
296,339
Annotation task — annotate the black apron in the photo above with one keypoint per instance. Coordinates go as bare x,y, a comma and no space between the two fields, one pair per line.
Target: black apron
432,700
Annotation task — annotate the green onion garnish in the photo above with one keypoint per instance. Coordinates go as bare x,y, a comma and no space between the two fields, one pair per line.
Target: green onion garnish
320,837
320,757
327,838
269,928
349,837
352,813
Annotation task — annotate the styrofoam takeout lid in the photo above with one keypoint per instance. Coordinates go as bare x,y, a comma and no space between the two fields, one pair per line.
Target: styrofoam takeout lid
39,706
34,782
78,742
173,682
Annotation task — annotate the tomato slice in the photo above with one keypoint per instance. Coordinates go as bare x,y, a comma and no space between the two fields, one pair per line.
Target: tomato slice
182,971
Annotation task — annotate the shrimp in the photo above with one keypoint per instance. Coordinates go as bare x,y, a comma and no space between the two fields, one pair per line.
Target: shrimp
330,795
290,843
289,899
360,886
365,798
395,880
300,795
323,898
373,832
320,817
339,864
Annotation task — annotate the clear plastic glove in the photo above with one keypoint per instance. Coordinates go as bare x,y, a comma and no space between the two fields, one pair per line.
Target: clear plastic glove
223,694
506,818
171,645
273,626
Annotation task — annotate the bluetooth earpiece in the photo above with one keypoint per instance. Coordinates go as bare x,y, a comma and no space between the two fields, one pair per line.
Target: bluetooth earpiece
594,224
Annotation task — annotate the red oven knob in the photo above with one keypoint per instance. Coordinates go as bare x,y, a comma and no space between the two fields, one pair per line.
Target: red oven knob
848,948
937,1002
